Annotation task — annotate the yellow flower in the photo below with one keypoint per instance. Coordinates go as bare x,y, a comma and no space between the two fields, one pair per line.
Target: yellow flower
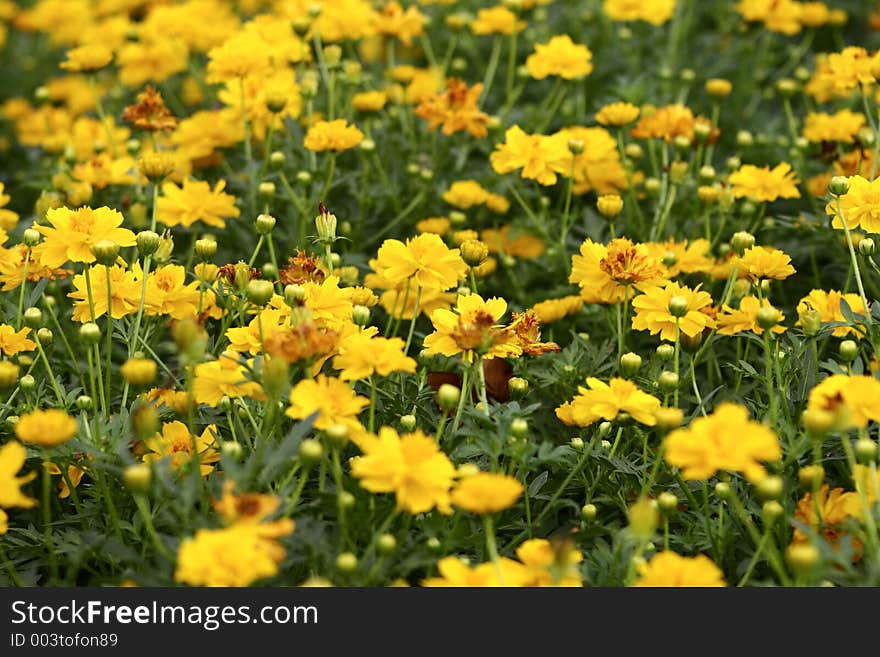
194,201
177,443
668,569
241,55
167,293
553,310
12,458
513,242
8,218
605,401
760,262
550,563
828,305
154,59
472,328
393,20
425,260
332,399
781,16
541,158
687,257
652,311
860,205
125,293
849,401
74,474
617,114
732,321
666,123
238,555
45,428
725,440
332,136
465,194
4,522
456,109
72,234
764,183
841,126
457,572
14,342
369,101
362,355
87,58
260,330
655,12
825,513
223,377
486,492
330,304
138,371
496,20
560,56
411,466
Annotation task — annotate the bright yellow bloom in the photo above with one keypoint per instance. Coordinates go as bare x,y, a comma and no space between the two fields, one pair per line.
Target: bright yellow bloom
425,260
465,194
457,572
332,136
849,401
45,428
726,440
605,401
268,322
14,342
241,55
781,16
225,376
362,355
8,218
153,60
760,262
194,201
125,293
838,75
860,206
666,123
472,328
393,20
652,311
732,321
87,58
560,56
551,563
764,183
496,20
668,569
12,458
841,126
486,492
508,240
541,158
369,101
332,399
553,310
177,443
617,114
73,233
828,305
411,466
655,12
687,257
238,555
168,294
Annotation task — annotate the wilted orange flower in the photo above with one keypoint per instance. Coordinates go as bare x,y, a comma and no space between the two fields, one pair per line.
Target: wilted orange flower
527,330
149,112
456,109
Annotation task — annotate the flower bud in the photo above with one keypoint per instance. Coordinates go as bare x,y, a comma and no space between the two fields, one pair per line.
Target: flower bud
277,160
588,512
259,292
346,500
665,352
767,317
138,371
678,171
630,364
678,306
634,152
147,242
144,421
266,190
817,422
33,317
718,87
519,428
433,544
303,177
787,87
30,237
668,418
325,223
137,477
156,166
518,387
166,248
474,252
722,490
448,396
867,247
866,450
105,252
770,487
408,422
269,271
741,241
360,315
294,295
839,185
84,403
652,187
744,139
231,450
604,429
386,543
609,206
347,562
8,374
811,476
337,434
576,443
771,512
848,351
643,518
89,333
27,382
707,174
802,557
667,502
264,224
310,451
